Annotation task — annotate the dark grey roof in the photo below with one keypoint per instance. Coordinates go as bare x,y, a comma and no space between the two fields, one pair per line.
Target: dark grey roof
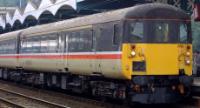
157,10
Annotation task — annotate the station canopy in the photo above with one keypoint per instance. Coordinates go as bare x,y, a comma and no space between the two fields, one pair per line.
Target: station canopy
34,11
46,11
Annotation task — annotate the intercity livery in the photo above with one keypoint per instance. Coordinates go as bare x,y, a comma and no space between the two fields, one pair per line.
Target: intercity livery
138,54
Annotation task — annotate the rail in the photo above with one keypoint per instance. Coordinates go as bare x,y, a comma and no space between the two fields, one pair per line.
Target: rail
54,105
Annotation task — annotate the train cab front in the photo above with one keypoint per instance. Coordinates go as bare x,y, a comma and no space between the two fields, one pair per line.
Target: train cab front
157,57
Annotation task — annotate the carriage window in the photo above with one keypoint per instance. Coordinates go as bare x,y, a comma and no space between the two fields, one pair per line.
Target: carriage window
53,43
161,32
36,44
10,46
183,33
44,44
135,31
86,40
3,47
48,44
26,45
80,41
29,46
73,42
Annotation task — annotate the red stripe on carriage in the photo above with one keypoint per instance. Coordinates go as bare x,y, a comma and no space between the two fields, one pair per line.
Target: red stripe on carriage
95,56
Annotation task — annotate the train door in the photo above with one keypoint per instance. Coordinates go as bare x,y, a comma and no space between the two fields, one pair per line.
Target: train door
96,62
61,50
107,39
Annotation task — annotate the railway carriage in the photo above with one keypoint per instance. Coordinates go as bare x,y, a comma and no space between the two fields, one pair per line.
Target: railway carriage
141,54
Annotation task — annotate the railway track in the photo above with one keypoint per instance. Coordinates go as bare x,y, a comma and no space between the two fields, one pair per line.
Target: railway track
39,98
23,101
5,103
47,99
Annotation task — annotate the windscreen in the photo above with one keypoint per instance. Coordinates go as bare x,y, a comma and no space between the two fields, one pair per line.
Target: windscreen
157,31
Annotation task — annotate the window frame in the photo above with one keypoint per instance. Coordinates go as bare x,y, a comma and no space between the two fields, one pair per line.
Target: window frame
117,37
126,30
8,46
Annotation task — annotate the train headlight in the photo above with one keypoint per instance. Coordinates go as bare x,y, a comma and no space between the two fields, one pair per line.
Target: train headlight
133,53
187,62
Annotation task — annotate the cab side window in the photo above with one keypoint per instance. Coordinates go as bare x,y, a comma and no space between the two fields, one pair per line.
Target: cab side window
117,34
135,31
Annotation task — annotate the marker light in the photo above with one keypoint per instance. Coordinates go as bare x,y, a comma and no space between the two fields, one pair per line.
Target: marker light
188,53
188,47
133,47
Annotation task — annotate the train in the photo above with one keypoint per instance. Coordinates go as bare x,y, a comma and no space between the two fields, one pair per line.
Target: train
140,54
